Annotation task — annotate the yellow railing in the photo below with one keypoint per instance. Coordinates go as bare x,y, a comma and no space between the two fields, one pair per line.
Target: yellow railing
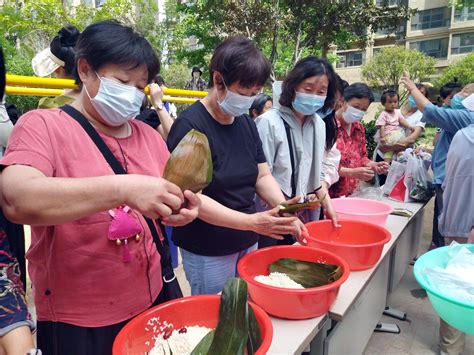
34,86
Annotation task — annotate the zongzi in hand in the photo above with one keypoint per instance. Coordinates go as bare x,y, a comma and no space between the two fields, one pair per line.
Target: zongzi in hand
190,164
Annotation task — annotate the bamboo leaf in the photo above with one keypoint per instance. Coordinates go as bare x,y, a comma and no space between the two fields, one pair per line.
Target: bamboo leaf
307,274
203,347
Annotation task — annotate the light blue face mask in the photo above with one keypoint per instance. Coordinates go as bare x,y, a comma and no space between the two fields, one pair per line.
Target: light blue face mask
323,113
235,104
456,102
411,102
308,104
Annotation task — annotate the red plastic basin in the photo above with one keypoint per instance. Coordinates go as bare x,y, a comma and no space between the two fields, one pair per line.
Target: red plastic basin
359,243
284,302
194,310
361,209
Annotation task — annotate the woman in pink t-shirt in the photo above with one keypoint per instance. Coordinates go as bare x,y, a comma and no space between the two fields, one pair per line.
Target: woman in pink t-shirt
86,286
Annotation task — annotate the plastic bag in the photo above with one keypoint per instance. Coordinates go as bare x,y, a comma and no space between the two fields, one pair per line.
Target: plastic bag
395,172
457,279
417,180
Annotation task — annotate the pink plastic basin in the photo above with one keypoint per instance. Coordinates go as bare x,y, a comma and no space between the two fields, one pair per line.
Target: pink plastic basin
286,302
361,209
359,243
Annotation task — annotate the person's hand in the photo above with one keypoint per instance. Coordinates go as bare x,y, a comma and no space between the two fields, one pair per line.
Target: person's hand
407,82
411,128
383,140
363,173
381,167
151,196
187,214
419,150
270,223
156,94
302,232
330,213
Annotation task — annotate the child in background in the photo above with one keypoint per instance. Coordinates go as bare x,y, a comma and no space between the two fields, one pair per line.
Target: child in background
390,121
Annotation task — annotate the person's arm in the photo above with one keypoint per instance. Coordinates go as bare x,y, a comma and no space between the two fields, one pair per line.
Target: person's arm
404,123
420,99
382,133
363,173
156,95
267,223
267,187
331,162
30,197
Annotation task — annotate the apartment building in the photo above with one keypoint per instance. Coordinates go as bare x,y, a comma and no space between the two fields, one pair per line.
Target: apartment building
437,29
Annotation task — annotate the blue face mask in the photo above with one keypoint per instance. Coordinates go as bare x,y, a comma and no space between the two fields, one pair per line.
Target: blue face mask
456,102
323,113
308,104
411,102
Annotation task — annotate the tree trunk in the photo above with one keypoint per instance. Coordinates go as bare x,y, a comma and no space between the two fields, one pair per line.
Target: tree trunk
273,54
297,53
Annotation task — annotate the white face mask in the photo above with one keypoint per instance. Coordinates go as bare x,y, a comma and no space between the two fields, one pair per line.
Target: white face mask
116,103
234,104
468,102
351,114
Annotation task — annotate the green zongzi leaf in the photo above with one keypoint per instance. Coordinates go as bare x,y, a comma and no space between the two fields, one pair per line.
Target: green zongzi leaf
203,347
255,339
190,164
232,330
307,274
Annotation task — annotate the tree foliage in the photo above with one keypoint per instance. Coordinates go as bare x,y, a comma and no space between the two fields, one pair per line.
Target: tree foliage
387,67
462,71
285,30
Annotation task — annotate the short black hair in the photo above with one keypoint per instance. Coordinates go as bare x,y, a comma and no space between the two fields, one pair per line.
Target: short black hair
420,86
112,42
159,80
237,59
306,68
259,103
449,89
358,91
62,46
386,94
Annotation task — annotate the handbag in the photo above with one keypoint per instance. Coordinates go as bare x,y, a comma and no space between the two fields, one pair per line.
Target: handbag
171,289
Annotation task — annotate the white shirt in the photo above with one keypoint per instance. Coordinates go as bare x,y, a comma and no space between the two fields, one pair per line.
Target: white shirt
6,127
308,148
331,160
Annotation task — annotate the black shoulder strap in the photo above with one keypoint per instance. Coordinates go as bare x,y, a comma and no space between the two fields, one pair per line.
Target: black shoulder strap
292,158
118,169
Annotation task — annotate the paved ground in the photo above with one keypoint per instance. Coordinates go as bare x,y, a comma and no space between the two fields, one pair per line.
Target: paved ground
418,337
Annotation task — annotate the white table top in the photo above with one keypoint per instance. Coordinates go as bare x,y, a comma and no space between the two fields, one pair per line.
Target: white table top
292,337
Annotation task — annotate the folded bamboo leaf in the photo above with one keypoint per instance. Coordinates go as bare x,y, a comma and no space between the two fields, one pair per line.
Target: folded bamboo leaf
297,207
203,346
307,274
190,164
254,339
232,329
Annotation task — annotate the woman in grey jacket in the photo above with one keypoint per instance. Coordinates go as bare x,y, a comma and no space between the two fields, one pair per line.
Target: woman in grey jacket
293,135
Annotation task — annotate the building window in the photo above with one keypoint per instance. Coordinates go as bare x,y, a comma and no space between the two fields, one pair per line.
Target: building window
437,48
466,13
433,18
351,59
462,43
388,2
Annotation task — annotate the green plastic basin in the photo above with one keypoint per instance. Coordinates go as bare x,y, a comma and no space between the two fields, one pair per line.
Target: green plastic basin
457,313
